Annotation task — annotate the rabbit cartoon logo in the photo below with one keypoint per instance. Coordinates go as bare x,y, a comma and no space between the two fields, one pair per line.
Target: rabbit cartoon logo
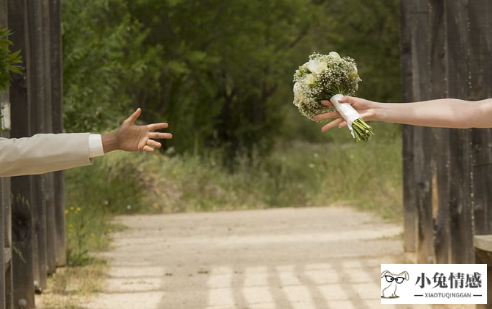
393,280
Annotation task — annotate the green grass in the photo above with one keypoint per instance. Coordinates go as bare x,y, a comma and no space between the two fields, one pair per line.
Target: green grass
93,195
365,175
297,174
71,287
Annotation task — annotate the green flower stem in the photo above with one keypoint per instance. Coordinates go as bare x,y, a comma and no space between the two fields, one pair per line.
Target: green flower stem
362,130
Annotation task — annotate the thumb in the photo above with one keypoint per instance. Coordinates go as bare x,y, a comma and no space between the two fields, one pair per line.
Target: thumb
348,99
345,99
134,116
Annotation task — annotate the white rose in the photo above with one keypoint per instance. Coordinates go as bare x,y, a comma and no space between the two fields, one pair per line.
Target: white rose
317,67
355,70
309,79
334,55
298,94
354,73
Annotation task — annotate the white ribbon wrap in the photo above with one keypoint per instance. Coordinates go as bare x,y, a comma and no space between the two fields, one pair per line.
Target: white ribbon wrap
346,110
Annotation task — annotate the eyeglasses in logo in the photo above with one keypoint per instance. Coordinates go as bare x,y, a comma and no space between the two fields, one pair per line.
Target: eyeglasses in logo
393,281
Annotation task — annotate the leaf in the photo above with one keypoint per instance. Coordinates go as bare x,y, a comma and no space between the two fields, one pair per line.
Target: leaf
8,61
15,69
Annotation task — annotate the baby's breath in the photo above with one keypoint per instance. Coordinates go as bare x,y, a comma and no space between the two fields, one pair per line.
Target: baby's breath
321,78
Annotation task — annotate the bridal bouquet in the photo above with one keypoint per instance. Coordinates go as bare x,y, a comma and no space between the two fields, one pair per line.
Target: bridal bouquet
329,77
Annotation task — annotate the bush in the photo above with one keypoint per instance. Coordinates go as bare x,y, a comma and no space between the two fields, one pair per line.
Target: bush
367,175
95,194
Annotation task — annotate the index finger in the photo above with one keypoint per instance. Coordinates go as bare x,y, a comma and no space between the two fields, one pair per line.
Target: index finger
327,116
156,126
327,103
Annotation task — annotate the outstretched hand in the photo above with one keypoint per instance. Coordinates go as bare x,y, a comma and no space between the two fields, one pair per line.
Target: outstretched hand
131,137
364,107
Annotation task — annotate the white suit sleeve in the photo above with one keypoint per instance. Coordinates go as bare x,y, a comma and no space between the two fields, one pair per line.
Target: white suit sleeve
45,153
95,146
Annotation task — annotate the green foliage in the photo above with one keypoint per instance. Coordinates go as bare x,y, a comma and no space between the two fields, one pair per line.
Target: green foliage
296,175
217,67
93,196
98,38
9,62
367,176
114,184
219,72
368,31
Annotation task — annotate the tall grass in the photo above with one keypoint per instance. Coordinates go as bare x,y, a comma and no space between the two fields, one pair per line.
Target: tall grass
367,176
296,174
93,194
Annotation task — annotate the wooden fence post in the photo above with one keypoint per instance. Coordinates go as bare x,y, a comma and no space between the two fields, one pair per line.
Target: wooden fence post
479,88
38,225
5,219
460,203
409,203
422,137
445,53
48,128
57,112
37,97
22,229
439,149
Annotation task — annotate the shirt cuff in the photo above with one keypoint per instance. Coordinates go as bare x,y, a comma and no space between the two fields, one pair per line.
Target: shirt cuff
95,146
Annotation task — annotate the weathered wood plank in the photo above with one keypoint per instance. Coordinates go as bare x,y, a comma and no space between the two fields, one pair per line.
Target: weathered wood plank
483,242
35,20
480,87
446,47
460,203
7,255
409,194
2,266
422,137
57,112
5,219
423,181
439,148
483,248
49,193
22,229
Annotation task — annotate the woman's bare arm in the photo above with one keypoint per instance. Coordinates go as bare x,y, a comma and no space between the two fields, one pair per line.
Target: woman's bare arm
442,113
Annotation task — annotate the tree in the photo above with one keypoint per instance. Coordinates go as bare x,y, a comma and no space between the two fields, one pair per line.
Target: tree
9,62
219,71
368,31
97,37
217,66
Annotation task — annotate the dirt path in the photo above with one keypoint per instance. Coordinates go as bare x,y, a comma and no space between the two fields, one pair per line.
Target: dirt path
304,258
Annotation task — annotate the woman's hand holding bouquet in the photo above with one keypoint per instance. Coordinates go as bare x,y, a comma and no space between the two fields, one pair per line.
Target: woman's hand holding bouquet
329,77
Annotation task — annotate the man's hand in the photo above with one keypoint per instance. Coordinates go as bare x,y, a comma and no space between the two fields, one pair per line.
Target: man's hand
365,108
131,137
